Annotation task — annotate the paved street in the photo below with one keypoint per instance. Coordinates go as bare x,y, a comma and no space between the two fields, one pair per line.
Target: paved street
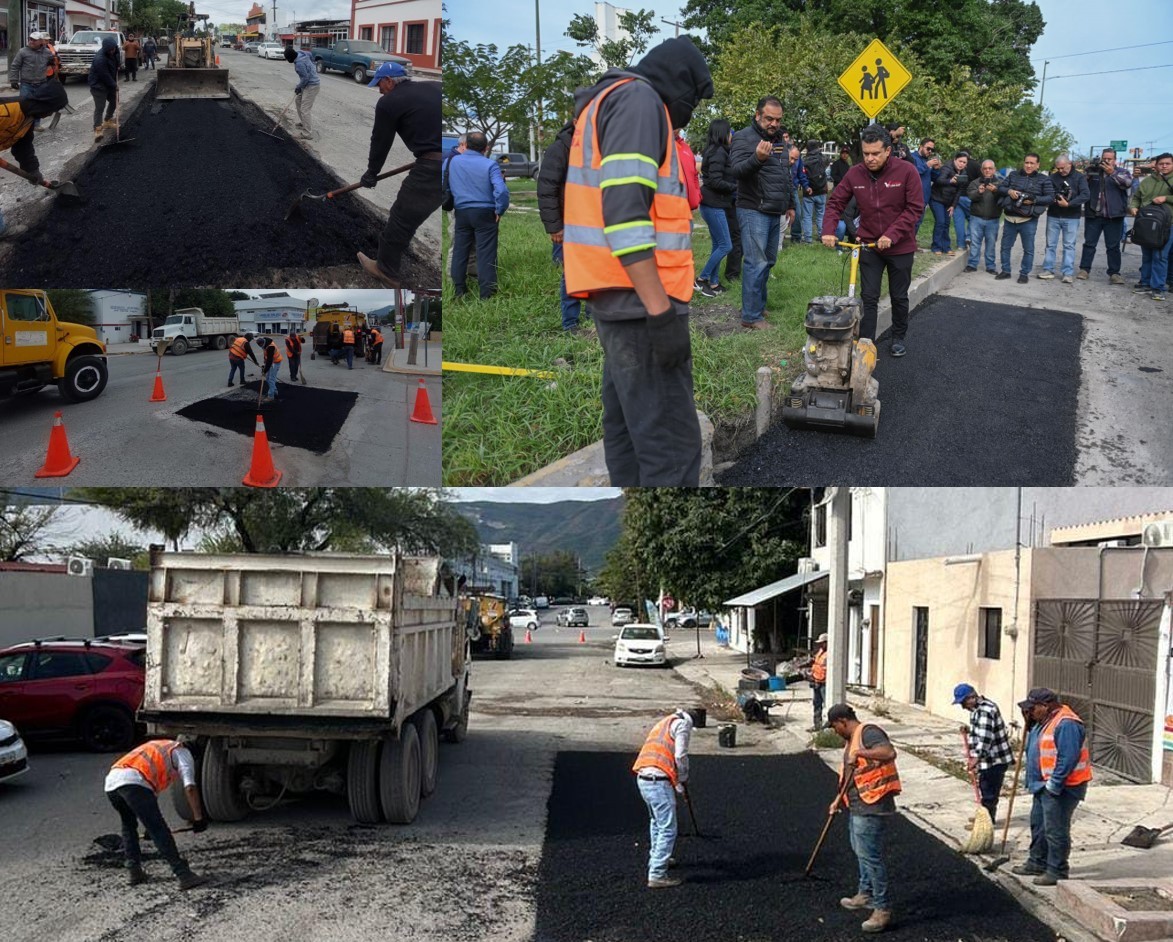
123,439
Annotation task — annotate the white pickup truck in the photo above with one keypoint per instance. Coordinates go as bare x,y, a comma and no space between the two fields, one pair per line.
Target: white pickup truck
77,54
189,327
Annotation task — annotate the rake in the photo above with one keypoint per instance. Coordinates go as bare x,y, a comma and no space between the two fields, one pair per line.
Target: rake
277,124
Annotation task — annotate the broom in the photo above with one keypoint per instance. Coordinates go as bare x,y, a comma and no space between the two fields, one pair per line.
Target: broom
981,838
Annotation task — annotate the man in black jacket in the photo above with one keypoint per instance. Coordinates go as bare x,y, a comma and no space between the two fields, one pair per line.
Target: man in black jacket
765,193
1071,193
1026,194
103,81
551,179
840,167
1108,191
945,193
985,214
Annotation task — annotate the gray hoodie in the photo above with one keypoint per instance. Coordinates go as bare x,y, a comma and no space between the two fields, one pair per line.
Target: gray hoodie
29,65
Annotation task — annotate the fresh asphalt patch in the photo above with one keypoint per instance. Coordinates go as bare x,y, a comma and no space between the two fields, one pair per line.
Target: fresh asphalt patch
988,394
759,819
302,417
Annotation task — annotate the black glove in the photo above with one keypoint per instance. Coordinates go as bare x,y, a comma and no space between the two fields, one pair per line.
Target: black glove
15,85
298,91
198,827
671,344
369,179
35,178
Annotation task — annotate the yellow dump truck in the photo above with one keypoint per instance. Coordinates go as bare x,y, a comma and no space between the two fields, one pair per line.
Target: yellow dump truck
486,623
336,314
37,349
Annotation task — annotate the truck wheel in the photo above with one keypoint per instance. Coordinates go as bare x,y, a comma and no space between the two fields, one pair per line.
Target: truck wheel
362,773
360,75
222,798
534,173
320,66
107,729
84,379
459,732
179,800
221,342
178,346
399,776
505,645
429,736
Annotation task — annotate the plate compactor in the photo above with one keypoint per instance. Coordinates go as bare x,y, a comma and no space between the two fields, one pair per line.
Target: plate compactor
836,392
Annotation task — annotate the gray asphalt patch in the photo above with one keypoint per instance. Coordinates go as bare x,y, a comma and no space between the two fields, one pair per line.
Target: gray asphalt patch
988,394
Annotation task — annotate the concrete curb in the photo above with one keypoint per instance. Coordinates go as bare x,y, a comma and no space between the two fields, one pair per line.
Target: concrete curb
397,362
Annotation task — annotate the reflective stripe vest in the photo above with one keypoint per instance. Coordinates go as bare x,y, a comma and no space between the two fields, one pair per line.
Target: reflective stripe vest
819,667
152,760
873,779
376,337
1048,753
659,750
238,349
591,249
54,61
276,357
348,336
14,124
293,345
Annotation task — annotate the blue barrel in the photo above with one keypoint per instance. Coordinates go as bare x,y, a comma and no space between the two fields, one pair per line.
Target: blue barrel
776,683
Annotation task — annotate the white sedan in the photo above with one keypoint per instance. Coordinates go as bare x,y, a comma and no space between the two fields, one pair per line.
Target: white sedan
271,51
640,644
524,619
13,755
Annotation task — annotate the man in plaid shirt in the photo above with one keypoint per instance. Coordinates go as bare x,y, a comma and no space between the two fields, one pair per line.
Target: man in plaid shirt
990,754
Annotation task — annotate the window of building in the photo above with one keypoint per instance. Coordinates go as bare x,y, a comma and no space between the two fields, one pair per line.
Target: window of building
990,638
821,525
415,39
366,32
387,38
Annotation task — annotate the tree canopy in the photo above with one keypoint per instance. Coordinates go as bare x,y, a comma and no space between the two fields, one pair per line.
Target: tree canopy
26,531
615,53
74,305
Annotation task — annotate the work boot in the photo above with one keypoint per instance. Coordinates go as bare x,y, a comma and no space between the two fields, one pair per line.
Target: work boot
1027,869
99,132
1045,879
969,268
1083,274
662,883
371,267
859,901
135,875
1002,275
1115,280
877,921
898,348
13,232
189,880
1023,280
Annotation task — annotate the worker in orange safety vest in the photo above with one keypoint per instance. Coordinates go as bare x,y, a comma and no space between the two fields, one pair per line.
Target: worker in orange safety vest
817,676
661,772
236,353
627,247
133,785
348,346
293,351
868,786
1058,769
271,366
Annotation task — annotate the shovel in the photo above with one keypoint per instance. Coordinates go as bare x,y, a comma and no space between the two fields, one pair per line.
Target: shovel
274,133
1143,837
63,188
295,206
696,831
118,138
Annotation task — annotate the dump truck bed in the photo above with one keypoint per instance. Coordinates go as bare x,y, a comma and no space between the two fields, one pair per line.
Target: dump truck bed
172,84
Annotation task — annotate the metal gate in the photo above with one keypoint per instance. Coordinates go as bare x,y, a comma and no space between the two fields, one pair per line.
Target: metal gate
1101,658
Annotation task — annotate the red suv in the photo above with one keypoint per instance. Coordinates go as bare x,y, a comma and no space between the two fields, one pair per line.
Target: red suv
87,689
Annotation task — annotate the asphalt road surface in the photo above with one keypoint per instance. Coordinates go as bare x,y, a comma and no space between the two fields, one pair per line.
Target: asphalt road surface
124,439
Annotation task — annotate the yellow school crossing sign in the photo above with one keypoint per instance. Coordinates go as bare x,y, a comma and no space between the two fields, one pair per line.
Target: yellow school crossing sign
874,78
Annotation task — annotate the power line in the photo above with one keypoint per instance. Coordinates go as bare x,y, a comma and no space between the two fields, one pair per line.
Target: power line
1098,51
1112,71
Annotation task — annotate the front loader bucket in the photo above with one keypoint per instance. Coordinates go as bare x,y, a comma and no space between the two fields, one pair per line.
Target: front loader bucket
192,83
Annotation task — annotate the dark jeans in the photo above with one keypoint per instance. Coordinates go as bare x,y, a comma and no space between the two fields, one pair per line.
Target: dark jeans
651,435
377,349
1113,231
294,366
733,259
1026,232
235,364
941,223
132,68
479,225
818,693
105,98
1050,829
990,784
871,270
419,196
136,803
571,307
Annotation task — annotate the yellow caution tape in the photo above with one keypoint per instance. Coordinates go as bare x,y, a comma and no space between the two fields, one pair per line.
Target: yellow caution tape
495,370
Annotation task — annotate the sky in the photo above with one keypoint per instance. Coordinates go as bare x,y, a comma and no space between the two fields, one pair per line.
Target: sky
235,11
1096,109
367,300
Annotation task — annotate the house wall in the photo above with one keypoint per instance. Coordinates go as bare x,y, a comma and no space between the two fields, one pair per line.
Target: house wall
25,612
372,14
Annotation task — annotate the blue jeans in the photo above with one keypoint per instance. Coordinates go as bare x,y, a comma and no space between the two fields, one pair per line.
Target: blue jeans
233,365
1010,232
1154,264
660,797
840,230
714,218
26,89
272,376
812,220
1069,228
868,832
759,242
961,220
940,226
982,230
348,349
800,210
1050,829
571,307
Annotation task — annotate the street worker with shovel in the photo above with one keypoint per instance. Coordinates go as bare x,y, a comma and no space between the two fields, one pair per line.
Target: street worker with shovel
868,786
661,772
133,786
17,117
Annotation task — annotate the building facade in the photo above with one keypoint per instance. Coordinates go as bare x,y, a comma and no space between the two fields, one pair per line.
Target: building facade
493,569
408,28
120,316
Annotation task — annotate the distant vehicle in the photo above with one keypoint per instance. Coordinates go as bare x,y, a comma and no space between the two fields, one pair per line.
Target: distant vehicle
640,644
598,600
87,689
191,327
358,58
250,47
14,757
563,600
517,165
227,43
621,617
524,619
574,618
78,53
541,601
271,51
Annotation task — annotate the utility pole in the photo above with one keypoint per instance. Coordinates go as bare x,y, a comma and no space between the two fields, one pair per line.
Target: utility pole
1043,86
837,596
672,23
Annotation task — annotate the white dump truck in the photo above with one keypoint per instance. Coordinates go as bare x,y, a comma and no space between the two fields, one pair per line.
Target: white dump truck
302,673
190,327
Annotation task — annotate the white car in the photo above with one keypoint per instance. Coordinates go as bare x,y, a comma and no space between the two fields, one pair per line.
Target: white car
640,644
598,600
524,619
13,754
621,617
271,51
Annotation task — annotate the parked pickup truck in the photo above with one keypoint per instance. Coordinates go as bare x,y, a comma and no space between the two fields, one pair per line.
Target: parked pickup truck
358,58
36,349
517,165
190,326
77,54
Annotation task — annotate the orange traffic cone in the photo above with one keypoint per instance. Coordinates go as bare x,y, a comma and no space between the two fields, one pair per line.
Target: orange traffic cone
58,462
582,637
262,473
423,407
529,638
158,395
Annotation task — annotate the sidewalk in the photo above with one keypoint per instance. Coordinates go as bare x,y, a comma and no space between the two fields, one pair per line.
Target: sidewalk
428,357
942,803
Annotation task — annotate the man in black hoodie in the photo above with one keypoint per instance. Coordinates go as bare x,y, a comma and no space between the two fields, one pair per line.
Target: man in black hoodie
635,270
103,80
551,180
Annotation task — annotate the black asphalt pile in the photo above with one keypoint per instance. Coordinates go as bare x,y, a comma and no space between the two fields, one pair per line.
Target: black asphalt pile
198,198
987,394
302,417
760,817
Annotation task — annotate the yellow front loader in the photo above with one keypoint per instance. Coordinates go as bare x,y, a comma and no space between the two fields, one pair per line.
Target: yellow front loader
193,70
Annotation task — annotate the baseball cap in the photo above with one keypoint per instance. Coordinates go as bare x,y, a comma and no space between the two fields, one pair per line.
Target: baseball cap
1038,695
39,35
840,711
821,638
386,70
960,692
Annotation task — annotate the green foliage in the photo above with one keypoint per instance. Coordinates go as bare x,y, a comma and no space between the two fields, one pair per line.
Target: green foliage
102,548
488,91
150,17
616,54
72,304
239,296
25,530
212,301
552,574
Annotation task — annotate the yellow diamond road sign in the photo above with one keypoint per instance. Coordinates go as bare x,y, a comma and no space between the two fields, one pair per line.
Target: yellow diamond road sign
874,78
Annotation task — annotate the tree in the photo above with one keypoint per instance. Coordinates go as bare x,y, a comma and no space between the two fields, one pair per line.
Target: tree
212,301
232,29
552,574
25,530
239,296
114,545
149,17
615,53
72,304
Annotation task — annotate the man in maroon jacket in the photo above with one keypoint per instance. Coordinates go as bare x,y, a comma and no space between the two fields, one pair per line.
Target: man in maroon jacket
891,203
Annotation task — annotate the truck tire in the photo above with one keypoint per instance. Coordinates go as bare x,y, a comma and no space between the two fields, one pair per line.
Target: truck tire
221,342
179,800
505,645
429,735
320,66
360,75
399,776
107,728
222,798
84,379
362,781
178,346
458,732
